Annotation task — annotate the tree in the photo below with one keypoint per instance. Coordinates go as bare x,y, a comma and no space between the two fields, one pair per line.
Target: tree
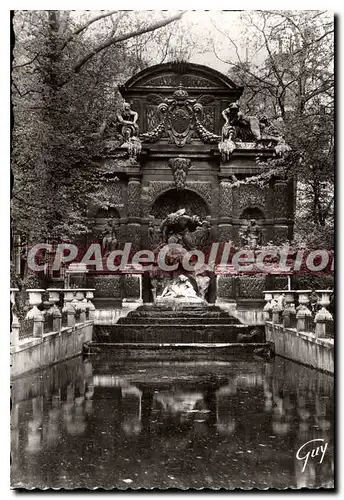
65,78
56,109
288,74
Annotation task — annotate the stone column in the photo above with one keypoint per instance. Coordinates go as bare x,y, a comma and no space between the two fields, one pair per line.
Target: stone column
225,209
134,212
281,210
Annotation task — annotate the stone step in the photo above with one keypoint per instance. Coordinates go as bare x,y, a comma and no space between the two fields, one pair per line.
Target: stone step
185,351
186,320
179,333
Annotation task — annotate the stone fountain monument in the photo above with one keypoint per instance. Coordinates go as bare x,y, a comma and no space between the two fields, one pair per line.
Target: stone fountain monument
180,318
177,164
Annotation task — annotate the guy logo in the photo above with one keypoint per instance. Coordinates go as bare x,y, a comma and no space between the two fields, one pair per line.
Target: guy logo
303,454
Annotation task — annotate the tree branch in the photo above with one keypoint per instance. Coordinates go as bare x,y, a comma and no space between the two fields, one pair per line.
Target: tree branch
121,38
230,39
86,25
25,64
313,42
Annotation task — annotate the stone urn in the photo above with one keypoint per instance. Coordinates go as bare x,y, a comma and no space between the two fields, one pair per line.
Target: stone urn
79,294
304,296
89,293
268,294
276,294
35,296
68,294
289,298
324,302
35,299
324,297
54,295
303,314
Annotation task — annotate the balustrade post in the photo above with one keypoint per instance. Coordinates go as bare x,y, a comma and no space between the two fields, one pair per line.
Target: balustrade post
15,326
303,314
274,307
68,306
54,298
89,305
35,299
323,316
276,313
80,305
289,309
320,324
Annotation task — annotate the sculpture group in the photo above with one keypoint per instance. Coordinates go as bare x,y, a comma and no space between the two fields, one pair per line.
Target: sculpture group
180,117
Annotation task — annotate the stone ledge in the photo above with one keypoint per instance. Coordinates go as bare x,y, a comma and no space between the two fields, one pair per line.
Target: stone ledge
25,344
29,342
323,341
301,347
49,335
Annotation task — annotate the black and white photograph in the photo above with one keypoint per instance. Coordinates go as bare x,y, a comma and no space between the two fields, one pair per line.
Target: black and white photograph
172,226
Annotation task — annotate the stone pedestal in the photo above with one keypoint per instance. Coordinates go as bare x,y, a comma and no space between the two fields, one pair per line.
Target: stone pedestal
76,275
132,286
180,303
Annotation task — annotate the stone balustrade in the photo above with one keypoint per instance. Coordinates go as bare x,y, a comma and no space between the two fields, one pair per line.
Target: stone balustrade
77,309
302,310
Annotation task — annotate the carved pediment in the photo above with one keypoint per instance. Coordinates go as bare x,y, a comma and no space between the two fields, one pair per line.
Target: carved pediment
193,77
180,102
187,81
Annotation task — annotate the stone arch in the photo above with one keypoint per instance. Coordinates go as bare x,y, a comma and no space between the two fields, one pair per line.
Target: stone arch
171,200
252,213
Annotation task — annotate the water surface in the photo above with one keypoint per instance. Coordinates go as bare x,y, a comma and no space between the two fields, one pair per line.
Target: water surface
102,423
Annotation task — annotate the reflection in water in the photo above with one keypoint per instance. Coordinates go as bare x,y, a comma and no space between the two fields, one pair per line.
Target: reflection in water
236,424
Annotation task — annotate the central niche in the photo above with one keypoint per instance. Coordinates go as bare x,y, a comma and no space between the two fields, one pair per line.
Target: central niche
173,200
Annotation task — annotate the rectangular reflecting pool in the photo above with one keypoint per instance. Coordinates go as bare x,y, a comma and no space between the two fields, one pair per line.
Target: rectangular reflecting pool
245,423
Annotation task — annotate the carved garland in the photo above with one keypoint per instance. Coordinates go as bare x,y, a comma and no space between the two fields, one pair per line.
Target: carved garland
180,168
179,116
